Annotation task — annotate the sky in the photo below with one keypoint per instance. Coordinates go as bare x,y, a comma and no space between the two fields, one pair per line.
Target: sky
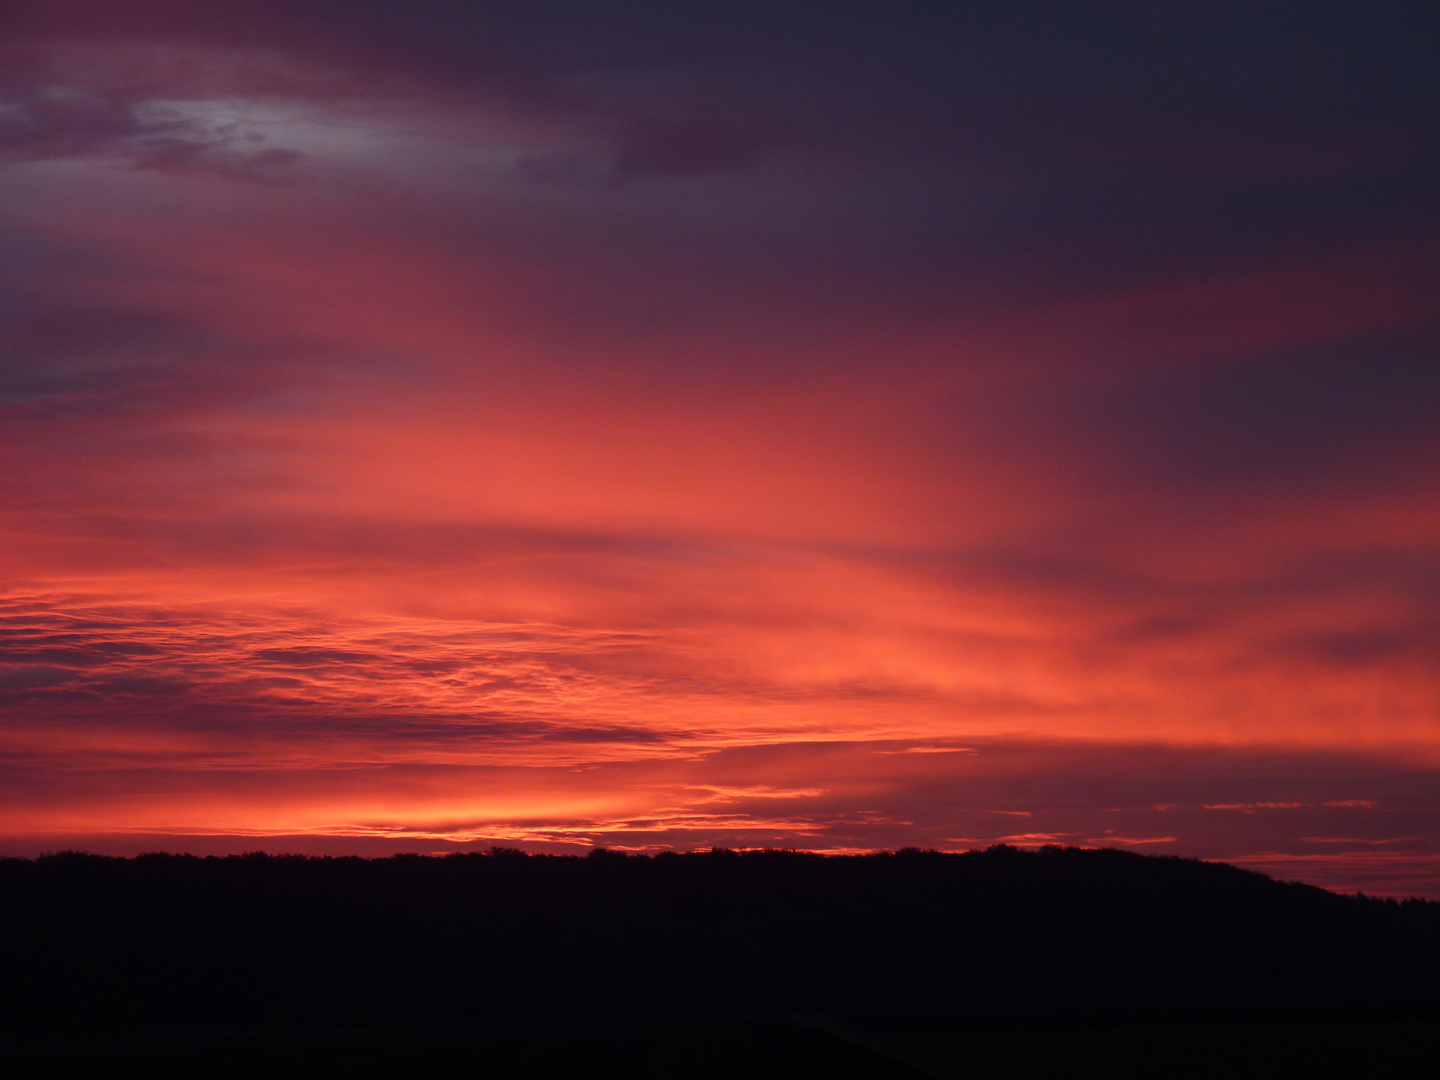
427,425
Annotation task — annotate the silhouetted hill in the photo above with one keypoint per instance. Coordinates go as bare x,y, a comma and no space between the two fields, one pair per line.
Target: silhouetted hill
183,942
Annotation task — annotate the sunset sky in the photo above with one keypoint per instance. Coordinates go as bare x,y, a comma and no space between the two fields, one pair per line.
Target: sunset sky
430,424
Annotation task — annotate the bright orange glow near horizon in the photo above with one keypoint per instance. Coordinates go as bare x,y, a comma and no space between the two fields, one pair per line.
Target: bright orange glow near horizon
418,434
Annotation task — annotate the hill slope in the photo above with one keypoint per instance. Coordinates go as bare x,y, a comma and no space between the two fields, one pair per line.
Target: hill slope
179,941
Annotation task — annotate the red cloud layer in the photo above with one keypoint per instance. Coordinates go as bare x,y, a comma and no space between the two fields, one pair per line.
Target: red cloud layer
399,454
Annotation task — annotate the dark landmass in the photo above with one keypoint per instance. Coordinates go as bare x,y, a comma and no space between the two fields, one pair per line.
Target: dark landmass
715,963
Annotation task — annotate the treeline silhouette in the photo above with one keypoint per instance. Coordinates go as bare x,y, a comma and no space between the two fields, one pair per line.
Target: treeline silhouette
178,941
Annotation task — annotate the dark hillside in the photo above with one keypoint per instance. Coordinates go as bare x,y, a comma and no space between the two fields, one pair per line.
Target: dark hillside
171,942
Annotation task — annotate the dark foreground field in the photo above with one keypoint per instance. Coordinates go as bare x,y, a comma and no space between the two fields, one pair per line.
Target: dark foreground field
874,1048
997,963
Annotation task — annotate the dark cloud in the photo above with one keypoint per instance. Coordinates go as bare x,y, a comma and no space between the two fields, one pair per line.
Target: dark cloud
1353,415
1271,113
687,150
48,122
25,677
39,123
1360,648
